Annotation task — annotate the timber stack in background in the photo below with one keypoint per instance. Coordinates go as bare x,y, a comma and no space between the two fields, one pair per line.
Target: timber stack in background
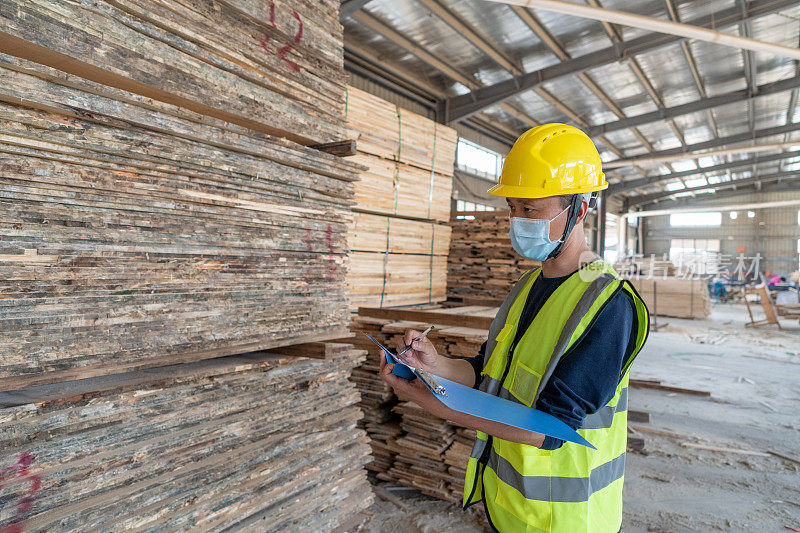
666,289
169,212
482,266
400,240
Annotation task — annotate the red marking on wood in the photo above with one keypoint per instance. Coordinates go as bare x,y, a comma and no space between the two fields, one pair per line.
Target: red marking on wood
288,48
25,504
308,241
331,262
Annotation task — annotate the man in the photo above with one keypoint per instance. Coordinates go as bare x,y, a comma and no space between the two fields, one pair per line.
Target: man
562,342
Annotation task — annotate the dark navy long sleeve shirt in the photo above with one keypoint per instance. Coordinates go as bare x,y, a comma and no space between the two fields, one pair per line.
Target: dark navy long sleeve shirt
586,378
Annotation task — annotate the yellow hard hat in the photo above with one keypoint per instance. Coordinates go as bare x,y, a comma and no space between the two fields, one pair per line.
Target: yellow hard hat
551,160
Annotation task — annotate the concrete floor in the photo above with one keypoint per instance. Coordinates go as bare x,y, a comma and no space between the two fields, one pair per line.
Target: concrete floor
754,379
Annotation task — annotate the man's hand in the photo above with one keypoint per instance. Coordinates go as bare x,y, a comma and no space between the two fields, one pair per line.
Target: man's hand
411,390
422,353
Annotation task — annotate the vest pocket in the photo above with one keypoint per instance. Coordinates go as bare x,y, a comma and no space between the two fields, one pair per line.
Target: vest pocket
536,512
525,382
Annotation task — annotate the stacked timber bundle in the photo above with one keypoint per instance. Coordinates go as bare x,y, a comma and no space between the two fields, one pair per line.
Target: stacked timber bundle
232,442
650,266
132,224
482,265
404,195
419,460
456,457
165,199
272,68
395,261
120,238
675,297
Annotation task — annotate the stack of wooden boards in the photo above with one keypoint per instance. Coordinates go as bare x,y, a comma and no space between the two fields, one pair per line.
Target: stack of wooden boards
232,442
675,297
130,224
482,265
650,266
399,245
408,445
161,204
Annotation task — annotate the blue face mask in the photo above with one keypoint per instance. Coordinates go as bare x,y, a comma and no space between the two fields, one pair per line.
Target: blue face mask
530,237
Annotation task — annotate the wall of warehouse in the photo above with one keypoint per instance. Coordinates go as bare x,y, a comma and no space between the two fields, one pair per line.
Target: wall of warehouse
773,232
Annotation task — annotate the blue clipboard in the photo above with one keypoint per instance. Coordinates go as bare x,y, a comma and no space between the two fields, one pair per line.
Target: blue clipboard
478,403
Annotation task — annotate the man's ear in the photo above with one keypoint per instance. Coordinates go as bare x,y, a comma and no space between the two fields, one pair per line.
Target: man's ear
582,212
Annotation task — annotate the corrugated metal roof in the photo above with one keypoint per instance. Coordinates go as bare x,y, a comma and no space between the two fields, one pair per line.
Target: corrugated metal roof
721,70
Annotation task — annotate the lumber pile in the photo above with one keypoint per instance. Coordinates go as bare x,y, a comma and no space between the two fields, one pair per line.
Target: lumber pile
399,246
419,460
408,445
674,297
650,266
136,233
273,68
788,310
396,261
482,265
232,442
167,197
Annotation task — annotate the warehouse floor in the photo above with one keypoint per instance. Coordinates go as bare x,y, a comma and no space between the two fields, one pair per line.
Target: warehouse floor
754,379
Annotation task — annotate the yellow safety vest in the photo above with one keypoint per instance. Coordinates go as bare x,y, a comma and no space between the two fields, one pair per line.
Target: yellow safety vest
573,488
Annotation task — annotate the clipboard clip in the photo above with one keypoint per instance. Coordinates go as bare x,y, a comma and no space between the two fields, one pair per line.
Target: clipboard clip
431,381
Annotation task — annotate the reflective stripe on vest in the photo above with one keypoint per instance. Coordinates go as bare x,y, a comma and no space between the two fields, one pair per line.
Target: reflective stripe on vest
555,488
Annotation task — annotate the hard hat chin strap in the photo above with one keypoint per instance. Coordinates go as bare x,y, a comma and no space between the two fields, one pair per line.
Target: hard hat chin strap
572,217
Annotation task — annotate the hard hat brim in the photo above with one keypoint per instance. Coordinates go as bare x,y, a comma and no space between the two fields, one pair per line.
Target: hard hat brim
518,191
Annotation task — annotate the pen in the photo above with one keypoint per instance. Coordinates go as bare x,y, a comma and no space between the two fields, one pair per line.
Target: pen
424,333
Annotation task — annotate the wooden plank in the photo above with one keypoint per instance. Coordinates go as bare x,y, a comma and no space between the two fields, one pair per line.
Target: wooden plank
338,148
432,317
650,385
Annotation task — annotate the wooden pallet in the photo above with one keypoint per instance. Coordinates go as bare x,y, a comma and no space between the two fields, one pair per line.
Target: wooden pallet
766,304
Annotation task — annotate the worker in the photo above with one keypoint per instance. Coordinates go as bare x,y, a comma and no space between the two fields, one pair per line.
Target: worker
562,342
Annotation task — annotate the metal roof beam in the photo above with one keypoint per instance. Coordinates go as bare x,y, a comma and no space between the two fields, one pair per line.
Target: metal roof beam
653,24
650,198
474,37
348,7
790,184
442,66
625,186
734,97
394,36
462,106
714,143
